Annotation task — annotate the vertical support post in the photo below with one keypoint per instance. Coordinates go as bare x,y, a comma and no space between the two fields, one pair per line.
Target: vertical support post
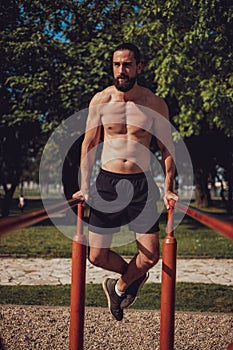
168,288
77,302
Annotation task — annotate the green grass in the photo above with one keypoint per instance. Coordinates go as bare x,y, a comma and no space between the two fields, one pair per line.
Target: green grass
189,296
193,239
36,241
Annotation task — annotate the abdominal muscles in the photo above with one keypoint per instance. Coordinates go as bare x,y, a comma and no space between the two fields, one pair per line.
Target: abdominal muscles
122,155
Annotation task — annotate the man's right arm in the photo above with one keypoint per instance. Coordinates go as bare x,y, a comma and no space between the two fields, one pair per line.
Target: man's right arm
89,145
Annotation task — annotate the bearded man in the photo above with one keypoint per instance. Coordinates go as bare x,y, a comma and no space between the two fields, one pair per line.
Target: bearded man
129,115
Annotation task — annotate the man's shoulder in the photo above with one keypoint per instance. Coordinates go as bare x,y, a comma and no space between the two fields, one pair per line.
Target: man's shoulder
150,95
154,101
103,96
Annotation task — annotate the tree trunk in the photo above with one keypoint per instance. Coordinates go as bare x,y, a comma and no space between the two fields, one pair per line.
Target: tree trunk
7,199
230,190
202,195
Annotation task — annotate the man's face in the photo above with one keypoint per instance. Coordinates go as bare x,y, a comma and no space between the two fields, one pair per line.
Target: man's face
125,70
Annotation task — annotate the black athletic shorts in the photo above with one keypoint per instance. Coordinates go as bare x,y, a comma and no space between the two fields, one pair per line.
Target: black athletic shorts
120,199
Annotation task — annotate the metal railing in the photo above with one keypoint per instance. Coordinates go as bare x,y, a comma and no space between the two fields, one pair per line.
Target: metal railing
223,227
168,288
25,220
79,244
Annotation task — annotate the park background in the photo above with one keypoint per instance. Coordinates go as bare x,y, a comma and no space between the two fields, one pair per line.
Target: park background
54,57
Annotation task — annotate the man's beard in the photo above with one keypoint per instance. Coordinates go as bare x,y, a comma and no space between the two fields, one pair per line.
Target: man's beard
127,84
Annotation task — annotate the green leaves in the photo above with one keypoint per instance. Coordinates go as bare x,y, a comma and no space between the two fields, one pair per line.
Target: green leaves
185,45
55,56
191,59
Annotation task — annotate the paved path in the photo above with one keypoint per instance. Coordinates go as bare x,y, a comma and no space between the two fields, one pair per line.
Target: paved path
58,271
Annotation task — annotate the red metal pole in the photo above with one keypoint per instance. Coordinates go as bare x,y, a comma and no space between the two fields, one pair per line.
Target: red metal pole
77,303
168,288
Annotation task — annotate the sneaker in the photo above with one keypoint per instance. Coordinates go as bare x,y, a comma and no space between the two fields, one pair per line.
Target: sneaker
133,290
114,301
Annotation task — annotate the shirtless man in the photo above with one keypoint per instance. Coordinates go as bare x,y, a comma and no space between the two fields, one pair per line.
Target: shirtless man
118,109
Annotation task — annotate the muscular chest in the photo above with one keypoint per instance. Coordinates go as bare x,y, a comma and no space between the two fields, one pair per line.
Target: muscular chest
126,118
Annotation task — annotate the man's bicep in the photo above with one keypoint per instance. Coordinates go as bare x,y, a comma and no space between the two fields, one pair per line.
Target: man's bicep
162,128
93,123
92,136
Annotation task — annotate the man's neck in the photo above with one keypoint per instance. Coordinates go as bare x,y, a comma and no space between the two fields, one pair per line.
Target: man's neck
130,95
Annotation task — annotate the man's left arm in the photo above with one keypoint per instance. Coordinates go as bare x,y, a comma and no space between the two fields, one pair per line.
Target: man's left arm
169,172
165,143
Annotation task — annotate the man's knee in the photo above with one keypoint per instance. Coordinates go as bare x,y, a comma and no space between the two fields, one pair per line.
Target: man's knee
149,260
97,257
152,261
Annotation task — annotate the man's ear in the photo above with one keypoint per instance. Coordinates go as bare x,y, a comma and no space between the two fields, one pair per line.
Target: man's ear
139,67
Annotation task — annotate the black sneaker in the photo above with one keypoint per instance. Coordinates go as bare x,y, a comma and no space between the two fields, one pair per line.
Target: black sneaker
114,301
132,291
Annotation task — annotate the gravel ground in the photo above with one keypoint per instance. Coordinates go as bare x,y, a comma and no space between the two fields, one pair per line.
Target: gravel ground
47,328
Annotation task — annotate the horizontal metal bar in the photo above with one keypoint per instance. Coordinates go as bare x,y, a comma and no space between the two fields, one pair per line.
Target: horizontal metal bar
210,221
28,219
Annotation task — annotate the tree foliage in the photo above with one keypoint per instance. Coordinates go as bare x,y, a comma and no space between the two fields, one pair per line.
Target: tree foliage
55,56
189,49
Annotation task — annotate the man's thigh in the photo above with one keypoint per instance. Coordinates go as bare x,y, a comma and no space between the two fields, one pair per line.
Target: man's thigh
148,244
99,241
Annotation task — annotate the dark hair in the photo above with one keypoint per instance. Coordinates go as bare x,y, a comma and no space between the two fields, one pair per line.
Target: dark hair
130,47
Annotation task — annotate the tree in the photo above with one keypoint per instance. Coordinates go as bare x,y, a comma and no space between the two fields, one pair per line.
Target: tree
189,48
24,90
49,70
55,57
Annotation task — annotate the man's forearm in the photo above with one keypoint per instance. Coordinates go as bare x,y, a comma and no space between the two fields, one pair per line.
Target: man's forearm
87,163
169,169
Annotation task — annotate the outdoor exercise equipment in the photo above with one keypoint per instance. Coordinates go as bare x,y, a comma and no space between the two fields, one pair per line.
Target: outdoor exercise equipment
168,287
77,305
